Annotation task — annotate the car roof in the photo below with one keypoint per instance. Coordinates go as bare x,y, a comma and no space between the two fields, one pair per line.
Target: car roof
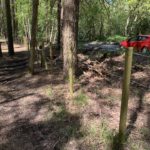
144,35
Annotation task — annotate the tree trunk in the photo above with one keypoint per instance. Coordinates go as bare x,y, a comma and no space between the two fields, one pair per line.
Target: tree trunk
9,28
77,19
35,4
59,24
2,19
14,21
70,19
61,30
1,54
52,24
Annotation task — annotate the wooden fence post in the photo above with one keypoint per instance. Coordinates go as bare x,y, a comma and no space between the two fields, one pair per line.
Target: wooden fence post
125,95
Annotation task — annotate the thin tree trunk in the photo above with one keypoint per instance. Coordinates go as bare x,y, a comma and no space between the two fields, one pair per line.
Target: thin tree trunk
2,19
47,20
51,42
61,29
127,25
14,22
9,28
77,19
52,3
59,24
35,4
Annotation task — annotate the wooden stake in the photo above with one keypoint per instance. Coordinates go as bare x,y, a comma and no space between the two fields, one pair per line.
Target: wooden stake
125,95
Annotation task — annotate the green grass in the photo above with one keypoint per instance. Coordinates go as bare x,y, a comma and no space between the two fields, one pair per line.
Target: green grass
145,132
49,92
106,134
62,114
101,133
81,99
137,145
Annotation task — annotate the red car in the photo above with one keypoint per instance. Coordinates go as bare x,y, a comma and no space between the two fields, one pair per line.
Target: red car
141,43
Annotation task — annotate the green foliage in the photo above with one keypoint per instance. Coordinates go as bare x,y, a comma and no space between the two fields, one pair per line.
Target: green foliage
23,16
98,20
116,38
46,19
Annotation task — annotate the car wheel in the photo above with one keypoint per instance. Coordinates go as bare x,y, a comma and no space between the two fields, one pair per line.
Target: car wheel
145,50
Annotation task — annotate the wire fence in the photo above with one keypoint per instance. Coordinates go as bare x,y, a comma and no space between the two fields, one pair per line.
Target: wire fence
132,82
138,54
147,68
141,66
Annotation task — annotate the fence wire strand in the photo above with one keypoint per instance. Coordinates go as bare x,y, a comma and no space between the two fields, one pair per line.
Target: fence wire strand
132,82
138,54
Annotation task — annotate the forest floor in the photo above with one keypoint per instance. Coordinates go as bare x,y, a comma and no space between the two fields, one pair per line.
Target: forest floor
36,112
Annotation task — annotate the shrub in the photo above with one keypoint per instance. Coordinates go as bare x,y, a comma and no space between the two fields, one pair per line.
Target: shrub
116,38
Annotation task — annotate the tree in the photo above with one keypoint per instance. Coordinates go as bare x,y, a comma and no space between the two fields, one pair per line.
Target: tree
2,19
35,4
14,20
69,37
59,24
9,28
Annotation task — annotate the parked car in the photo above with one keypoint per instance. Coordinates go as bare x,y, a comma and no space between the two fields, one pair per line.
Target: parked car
141,43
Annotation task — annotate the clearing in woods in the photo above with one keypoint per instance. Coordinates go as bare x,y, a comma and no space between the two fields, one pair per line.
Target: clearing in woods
36,112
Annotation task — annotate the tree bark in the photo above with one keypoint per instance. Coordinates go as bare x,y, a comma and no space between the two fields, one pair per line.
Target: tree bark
14,21
1,54
69,37
9,28
70,27
52,24
59,24
35,4
3,19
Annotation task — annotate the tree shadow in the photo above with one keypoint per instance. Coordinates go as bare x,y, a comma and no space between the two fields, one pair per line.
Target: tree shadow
24,106
51,134
134,114
116,145
10,98
132,118
147,138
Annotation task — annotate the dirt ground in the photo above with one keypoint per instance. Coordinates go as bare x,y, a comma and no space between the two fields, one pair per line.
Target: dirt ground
36,112
17,47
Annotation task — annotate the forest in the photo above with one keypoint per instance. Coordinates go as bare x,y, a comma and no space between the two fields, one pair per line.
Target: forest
74,74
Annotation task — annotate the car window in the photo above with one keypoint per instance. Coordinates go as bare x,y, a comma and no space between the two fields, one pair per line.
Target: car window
142,38
133,39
